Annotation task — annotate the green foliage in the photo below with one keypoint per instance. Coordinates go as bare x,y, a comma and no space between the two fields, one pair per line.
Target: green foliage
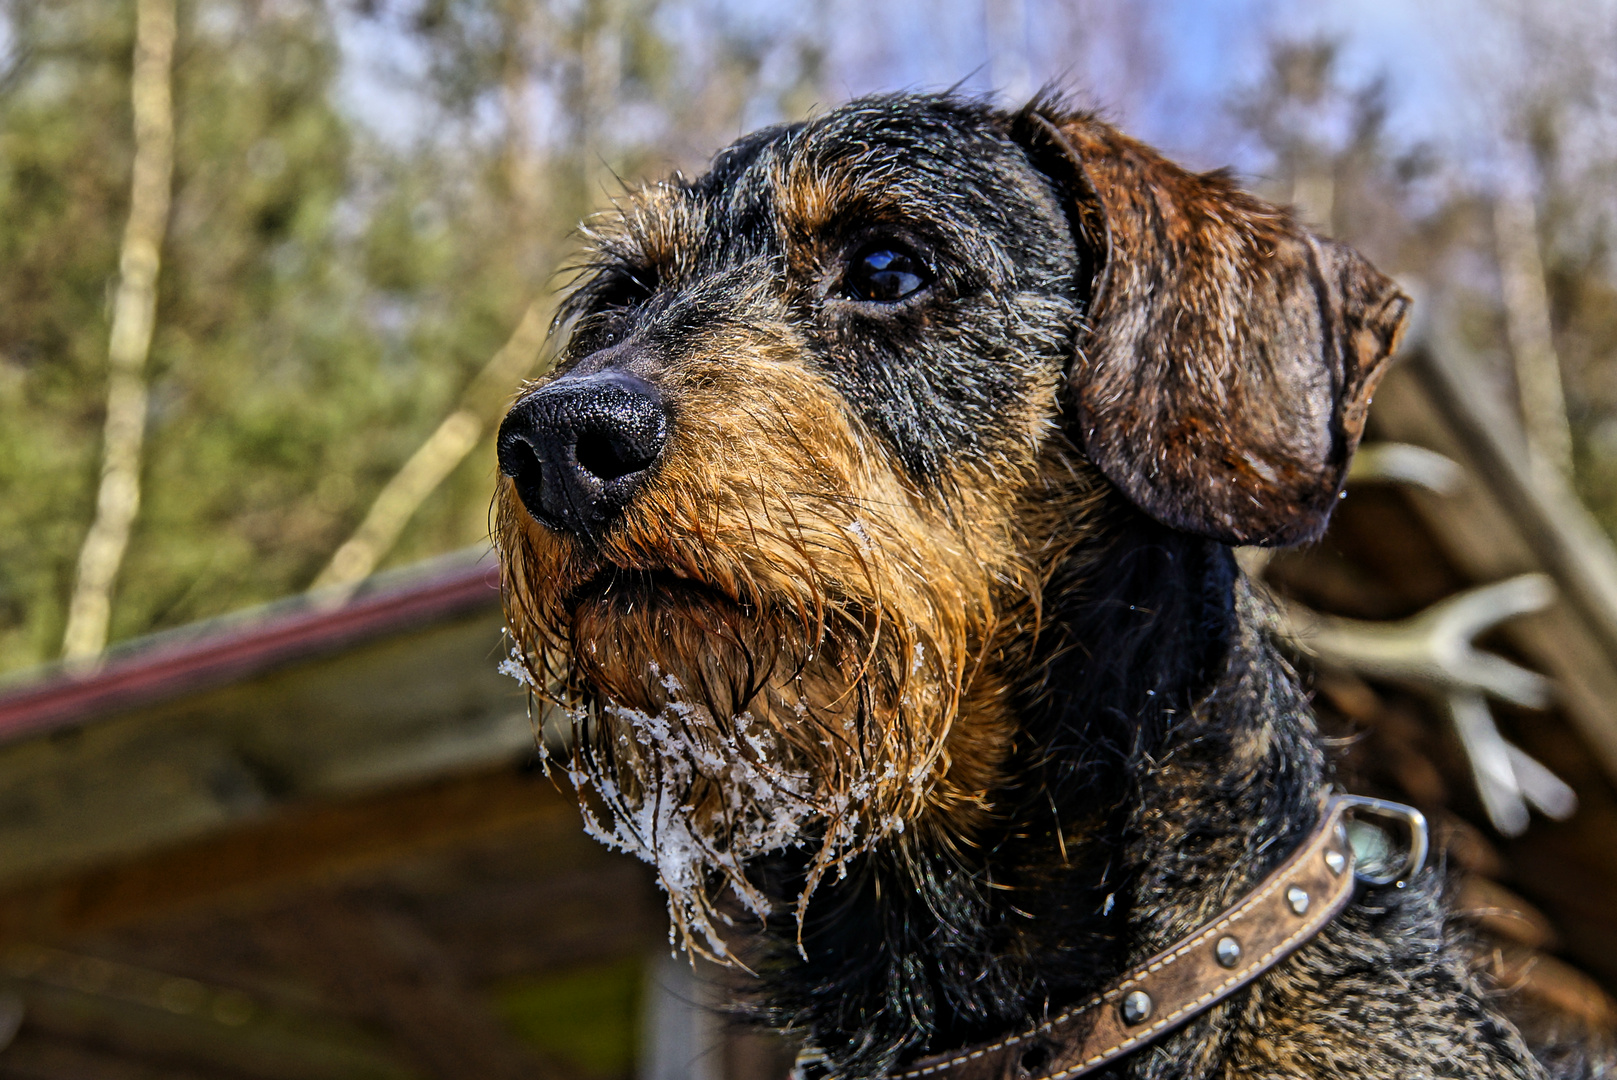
310,331
326,294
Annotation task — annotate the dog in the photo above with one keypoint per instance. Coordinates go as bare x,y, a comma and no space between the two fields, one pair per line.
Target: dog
872,539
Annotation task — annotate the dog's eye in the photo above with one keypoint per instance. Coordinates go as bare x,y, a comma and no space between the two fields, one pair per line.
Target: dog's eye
886,273
623,290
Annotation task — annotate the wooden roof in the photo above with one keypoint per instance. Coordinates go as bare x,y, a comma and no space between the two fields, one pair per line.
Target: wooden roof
309,842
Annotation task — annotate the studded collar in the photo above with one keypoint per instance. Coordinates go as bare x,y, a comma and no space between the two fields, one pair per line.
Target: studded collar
1282,913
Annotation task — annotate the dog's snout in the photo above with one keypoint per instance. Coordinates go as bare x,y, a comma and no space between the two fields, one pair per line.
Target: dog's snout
578,448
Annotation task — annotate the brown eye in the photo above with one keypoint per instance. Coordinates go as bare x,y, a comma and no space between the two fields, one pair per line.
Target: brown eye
885,274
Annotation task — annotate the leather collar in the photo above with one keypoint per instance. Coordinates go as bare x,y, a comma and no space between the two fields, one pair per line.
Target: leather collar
1283,912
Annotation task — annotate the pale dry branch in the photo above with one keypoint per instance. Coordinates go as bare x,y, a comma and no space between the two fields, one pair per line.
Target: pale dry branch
133,318
1402,463
1433,650
1506,776
1527,325
434,460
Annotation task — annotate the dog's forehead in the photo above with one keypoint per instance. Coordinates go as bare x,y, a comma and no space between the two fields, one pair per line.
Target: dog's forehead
763,243
924,151
944,164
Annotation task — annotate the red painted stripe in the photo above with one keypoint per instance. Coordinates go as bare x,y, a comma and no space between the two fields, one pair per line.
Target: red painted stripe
163,671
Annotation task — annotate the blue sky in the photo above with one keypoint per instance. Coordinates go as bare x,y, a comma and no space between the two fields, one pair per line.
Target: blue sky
1166,69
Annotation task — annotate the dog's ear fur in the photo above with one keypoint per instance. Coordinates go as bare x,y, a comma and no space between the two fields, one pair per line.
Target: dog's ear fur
1228,356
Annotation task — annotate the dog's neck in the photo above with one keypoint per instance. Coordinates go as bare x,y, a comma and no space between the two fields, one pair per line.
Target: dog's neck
1168,762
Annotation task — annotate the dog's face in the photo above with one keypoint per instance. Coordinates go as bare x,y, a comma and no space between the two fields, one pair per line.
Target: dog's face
776,530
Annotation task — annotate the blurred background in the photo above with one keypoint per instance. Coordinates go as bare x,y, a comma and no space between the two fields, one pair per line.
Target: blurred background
367,197
269,272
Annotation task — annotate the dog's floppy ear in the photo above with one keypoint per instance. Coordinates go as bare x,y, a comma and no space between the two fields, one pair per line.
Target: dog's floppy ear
1228,355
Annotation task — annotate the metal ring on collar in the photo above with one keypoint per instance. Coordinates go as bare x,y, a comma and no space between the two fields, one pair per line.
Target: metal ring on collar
1413,821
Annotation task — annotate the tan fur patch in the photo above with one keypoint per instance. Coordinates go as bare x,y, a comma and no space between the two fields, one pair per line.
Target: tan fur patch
779,598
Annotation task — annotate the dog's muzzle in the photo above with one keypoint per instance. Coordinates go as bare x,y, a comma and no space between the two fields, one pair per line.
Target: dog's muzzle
578,448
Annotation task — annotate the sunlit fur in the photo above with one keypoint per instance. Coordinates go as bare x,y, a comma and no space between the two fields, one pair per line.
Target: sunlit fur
835,611
781,570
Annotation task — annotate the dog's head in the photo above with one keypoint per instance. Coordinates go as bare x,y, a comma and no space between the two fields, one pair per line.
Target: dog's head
776,530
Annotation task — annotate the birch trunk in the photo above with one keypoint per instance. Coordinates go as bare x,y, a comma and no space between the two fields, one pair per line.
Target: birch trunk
460,432
1527,323
133,317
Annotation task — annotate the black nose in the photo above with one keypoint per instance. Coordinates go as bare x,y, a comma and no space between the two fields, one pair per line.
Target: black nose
578,448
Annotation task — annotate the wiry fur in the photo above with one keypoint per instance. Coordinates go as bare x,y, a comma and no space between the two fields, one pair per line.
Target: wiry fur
878,653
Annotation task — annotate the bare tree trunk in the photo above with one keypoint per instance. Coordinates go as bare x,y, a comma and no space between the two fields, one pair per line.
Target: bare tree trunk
459,433
436,458
134,313
595,82
1527,322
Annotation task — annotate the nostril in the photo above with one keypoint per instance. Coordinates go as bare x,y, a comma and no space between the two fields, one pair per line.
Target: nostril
606,458
519,460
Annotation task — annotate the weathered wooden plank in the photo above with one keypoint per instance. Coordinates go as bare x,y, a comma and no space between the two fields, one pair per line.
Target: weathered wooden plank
388,713
285,850
236,647
67,1028
380,963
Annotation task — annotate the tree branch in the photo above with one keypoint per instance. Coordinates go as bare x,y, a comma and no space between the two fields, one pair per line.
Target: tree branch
133,318
433,461
1527,324
1433,650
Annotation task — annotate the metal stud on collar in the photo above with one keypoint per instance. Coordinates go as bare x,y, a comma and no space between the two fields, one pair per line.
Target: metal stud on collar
1190,975
1137,1008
